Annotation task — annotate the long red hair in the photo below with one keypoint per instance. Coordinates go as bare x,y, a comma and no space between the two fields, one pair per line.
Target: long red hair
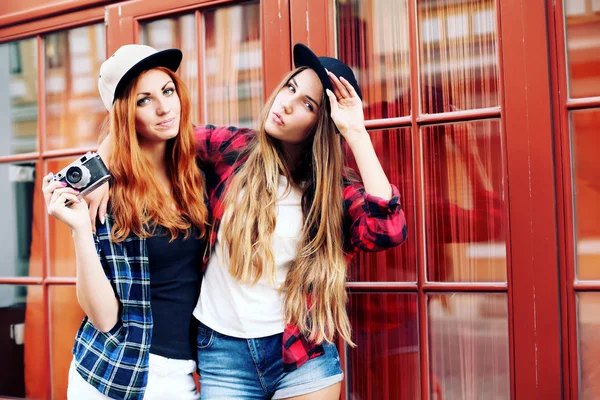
137,198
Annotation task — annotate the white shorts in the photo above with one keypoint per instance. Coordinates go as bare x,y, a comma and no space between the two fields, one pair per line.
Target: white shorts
167,379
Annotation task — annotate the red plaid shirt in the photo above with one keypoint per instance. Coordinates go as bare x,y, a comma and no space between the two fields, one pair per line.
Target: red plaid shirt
374,224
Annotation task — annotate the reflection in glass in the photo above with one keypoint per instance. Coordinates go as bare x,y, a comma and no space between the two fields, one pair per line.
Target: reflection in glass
180,33
22,343
469,353
458,55
394,149
65,318
233,65
373,39
20,235
583,46
588,346
74,110
385,363
586,182
61,248
464,209
19,104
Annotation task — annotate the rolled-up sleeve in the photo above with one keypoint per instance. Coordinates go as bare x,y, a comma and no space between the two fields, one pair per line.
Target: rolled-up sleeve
375,224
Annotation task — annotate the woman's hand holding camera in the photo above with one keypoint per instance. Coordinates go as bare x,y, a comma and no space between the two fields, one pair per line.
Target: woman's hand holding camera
56,195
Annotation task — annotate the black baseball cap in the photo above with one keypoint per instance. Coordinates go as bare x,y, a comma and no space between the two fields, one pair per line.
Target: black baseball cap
304,57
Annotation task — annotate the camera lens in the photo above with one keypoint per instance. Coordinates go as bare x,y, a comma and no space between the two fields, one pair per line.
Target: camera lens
74,175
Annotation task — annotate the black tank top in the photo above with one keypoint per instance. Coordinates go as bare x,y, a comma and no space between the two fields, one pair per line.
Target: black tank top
175,275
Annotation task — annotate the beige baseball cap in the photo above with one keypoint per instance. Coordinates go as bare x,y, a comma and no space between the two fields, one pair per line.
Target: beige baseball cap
128,62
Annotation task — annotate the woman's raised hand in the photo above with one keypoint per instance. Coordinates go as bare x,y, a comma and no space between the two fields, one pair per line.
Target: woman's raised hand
346,108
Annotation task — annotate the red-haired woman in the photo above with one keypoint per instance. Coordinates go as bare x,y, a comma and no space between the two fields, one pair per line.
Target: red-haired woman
137,340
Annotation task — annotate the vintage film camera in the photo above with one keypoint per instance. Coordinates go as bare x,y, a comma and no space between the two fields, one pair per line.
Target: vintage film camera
84,174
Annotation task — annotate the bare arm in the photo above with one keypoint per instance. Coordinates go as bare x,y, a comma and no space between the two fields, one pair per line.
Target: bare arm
371,171
94,292
98,199
347,113
105,150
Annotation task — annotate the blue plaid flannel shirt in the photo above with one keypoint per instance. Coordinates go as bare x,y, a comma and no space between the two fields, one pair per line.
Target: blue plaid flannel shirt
116,362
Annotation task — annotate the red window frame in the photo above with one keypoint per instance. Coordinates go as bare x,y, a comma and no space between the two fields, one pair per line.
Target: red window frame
35,29
532,271
539,204
564,105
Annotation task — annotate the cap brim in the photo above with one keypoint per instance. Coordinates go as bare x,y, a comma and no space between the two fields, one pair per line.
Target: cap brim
170,58
304,57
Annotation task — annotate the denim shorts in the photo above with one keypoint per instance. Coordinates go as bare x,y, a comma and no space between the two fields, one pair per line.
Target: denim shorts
235,368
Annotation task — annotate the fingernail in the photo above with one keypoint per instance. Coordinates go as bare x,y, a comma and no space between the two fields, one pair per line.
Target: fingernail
63,184
102,219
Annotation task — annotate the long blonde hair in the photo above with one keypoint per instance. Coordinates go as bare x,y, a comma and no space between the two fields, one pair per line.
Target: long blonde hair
315,294
137,199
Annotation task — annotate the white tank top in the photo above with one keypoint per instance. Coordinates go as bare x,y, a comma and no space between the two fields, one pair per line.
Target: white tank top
252,311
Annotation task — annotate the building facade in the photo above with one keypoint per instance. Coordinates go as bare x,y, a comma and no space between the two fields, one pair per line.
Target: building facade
486,115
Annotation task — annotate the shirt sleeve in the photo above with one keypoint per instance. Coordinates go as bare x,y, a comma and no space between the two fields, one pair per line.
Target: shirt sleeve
212,143
375,224
102,257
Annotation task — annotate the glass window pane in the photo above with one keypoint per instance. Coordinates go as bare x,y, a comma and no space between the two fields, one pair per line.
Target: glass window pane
178,32
19,104
586,176
583,47
394,149
373,39
464,209
23,342
74,109
385,363
458,55
20,229
469,353
65,319
233,65
61,248
588,345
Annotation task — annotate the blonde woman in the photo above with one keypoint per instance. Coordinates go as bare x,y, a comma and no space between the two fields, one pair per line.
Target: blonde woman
287,218
138,277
